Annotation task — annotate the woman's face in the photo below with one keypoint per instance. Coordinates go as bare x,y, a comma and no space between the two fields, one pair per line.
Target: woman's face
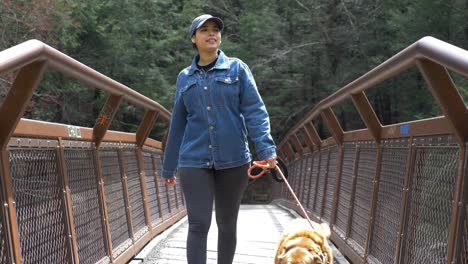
207,37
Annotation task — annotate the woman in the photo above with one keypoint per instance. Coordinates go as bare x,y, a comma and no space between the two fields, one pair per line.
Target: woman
216,102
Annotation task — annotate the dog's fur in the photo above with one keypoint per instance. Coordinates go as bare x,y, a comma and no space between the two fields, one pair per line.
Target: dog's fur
300,244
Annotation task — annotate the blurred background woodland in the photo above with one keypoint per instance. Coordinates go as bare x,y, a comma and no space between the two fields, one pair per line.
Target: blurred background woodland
300,51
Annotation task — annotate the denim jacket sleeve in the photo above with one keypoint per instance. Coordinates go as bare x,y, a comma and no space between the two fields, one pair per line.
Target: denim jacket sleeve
255,114
176,132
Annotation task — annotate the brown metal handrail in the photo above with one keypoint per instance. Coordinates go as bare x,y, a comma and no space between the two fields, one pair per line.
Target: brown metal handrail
427,48
35,50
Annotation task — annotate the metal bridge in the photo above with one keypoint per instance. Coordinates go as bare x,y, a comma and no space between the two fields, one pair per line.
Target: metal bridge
391,194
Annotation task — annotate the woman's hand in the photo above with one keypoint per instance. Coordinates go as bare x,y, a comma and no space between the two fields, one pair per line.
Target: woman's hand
170,181
271,162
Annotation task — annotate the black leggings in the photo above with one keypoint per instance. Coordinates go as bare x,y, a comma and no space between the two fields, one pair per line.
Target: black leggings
200,186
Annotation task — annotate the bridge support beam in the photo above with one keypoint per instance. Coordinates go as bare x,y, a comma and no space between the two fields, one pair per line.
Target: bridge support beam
368,115
314,135
333,125
105,118
297,144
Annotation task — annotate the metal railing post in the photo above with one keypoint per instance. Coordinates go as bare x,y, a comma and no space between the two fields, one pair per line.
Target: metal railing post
70,224
11,112
404,201
141,170
126,196
158,192
353,192
373,201
103,204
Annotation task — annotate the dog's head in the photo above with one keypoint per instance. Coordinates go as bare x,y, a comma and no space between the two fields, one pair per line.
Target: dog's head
305,247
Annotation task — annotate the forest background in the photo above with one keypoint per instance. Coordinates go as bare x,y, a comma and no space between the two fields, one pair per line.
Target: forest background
300,51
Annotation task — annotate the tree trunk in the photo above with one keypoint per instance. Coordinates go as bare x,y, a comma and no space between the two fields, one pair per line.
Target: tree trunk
466,19
331,46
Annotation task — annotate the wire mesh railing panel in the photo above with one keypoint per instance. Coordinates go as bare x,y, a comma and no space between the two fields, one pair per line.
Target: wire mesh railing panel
331,181
463,255
151,188
295,178
324,156
314,180
38,195
307,181
174,192
298,184
3,234
162,187
304,175
157,159
344,193
430,204
463,250
361,203
389,197
171,190
172,199
180,195
87,216
292,178
178,192
115,201
135,191
3,249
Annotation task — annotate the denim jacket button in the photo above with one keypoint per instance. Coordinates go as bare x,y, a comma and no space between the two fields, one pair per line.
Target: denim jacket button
209,146
207,164
205,88
208,108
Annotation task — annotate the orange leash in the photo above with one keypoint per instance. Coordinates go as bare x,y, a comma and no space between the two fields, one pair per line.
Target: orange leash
264,166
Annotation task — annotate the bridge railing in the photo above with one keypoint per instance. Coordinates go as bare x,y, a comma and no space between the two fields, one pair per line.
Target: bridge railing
74,194
394,193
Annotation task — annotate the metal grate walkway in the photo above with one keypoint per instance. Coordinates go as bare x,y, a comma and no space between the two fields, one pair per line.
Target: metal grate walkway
259,228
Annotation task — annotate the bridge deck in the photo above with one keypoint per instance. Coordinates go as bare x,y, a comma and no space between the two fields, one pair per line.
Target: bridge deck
259,228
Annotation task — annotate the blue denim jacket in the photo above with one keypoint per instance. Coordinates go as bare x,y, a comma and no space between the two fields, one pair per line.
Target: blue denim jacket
211,115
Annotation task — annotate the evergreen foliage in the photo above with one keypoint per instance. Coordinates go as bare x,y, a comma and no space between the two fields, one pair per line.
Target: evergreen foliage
300,51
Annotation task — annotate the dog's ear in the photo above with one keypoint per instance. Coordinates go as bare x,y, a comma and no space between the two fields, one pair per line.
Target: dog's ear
280,255
325,230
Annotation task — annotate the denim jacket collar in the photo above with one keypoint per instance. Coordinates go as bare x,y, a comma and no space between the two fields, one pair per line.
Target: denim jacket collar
222,63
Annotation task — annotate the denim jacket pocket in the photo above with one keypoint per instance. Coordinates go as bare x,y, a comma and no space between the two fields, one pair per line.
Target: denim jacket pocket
190,95
227,89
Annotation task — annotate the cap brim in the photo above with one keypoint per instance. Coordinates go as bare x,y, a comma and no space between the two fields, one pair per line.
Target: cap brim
217,20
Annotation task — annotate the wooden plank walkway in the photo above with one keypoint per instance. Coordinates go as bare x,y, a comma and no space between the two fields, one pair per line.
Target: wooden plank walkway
259,228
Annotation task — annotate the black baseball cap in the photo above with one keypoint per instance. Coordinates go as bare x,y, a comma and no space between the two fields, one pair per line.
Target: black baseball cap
200,20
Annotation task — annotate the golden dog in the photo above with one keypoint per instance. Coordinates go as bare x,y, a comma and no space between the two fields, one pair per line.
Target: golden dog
300,244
